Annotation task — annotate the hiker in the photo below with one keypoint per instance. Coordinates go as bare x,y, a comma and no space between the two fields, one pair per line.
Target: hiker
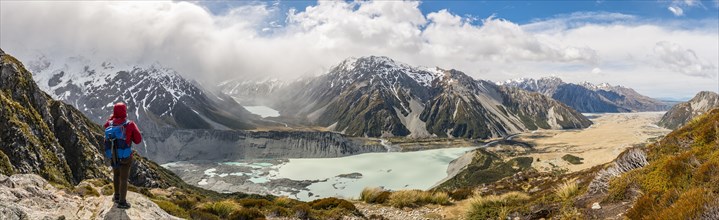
120,133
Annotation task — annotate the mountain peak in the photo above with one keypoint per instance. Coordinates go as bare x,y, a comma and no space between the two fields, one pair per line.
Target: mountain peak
706,93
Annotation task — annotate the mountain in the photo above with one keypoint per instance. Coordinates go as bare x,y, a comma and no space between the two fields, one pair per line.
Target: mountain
379,97
682,113
587,97
47,137
249,92
157,97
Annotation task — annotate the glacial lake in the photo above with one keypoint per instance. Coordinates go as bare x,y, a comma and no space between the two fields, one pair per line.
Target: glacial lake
343,177
263,111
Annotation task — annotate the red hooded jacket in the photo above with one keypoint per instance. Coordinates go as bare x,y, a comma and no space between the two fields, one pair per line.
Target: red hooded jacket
119,115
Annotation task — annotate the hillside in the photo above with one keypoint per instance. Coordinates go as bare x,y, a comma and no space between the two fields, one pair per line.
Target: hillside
673,178
682,113
50,138
589,98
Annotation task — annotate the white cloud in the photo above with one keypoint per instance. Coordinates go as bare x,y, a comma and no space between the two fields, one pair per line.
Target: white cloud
247,41
676,58
677,7
596,70
676,10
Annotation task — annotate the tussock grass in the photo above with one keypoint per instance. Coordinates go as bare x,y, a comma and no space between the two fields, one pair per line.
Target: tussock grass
221,208
374,195
107,190
247,214
415,198
567,190
284,201
172,208
461,194
493,206
86,190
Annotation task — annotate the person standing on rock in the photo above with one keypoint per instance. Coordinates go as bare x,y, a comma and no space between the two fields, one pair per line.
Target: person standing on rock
120,133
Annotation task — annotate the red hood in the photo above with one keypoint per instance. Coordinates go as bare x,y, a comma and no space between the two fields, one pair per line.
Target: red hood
119,113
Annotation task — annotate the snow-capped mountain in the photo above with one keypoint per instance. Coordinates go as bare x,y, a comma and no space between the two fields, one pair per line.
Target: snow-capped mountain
587,97
157,97
377,96
251,92
682,113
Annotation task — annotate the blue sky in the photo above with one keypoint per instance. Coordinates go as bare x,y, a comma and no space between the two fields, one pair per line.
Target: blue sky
523,12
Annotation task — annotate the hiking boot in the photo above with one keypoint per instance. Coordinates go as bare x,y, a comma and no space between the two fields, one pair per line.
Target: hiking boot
123,205
116,198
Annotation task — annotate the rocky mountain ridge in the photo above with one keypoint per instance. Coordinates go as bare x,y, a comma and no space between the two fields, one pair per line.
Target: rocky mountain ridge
682,113
587,97
379,97
157,97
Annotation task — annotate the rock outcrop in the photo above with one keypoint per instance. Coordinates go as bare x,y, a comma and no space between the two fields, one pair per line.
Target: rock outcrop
29,196
684,112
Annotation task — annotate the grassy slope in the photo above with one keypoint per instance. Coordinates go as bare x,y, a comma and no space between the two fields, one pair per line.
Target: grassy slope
682,179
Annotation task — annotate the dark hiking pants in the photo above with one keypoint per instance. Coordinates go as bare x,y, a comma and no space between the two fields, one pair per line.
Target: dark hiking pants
120,176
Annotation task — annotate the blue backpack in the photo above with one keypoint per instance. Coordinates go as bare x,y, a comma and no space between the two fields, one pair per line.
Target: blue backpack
116,147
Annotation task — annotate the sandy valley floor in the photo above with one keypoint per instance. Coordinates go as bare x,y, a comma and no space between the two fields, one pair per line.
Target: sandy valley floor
601,143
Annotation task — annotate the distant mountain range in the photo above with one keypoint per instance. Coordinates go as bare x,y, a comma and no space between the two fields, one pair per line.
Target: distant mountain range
682,113
379,97
590,98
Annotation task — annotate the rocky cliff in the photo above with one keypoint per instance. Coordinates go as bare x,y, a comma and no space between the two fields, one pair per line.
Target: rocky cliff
179,145
682,113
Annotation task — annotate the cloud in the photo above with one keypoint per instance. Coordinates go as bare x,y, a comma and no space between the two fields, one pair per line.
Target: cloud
677,11
677,7
493,40
246,40
259,40
596,70
676,58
